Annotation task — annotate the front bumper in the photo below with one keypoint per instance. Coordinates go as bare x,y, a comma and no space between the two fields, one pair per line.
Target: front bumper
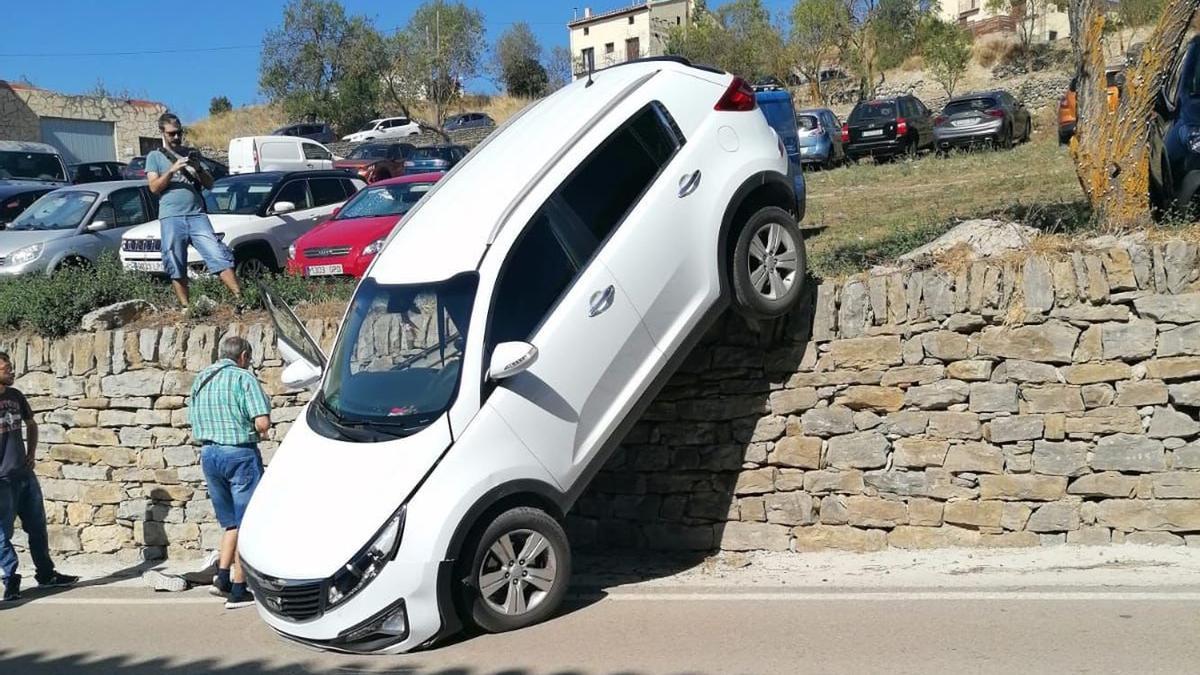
816,153
1065,132
37,266
354,264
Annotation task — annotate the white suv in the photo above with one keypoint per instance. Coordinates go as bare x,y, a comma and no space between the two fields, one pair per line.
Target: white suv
257,215
509,333
387,127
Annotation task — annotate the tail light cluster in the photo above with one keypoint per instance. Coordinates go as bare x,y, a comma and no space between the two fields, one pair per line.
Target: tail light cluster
845,133
901,126
739,97
994,112
939,120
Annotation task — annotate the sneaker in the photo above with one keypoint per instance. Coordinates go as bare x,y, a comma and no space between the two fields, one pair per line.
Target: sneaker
246,600
12,588
164,582
56,580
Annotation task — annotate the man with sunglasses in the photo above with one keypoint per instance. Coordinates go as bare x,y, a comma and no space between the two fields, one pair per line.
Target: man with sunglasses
178,183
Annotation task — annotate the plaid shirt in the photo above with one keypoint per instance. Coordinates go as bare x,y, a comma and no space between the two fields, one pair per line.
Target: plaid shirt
223,412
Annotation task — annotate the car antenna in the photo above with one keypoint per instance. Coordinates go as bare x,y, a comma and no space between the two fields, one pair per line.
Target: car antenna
591,63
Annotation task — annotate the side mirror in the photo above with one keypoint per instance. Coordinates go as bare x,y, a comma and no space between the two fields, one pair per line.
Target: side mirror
336,210
1161,104
511,358
97,226
300,374
283,207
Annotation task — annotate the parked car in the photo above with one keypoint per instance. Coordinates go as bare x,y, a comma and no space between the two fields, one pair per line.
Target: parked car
136,168
820,138
376,161
1114,79
776,106
434,158
22,160
1175,137
257,215
346,244
512,328
885,128
250,154
472,120
986,118
387,127
96,172
319,132
74,225
16,196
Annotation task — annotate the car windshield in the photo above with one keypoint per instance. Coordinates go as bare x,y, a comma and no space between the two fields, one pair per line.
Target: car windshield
239,195
779,115
969,105
430,153
396,365
873,112
807,122
370,126
137,163
384,200
56,211
31,166
369,152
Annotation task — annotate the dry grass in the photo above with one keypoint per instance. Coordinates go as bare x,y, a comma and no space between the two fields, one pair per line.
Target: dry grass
991,51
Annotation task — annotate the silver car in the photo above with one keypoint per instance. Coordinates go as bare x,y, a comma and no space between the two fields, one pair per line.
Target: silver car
74,226
993,118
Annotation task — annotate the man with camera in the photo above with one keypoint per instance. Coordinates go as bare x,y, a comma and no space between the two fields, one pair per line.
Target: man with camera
177,177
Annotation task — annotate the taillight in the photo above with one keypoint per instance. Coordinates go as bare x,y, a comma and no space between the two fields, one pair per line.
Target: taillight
901,126
845,133
739,97
994,113
939,120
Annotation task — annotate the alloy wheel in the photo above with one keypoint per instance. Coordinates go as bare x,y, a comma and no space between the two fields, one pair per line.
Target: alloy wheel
518,572
772,261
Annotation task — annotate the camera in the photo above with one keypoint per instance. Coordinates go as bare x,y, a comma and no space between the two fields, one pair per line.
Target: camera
193,155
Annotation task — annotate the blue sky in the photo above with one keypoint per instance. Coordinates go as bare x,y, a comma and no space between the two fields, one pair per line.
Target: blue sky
70,47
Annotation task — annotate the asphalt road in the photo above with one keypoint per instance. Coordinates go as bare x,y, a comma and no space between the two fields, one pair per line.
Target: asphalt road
105,629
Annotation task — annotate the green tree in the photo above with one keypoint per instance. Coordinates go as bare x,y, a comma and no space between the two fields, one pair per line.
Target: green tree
433,55
738,37
816,25
947,51
1028,14
518,57
1132,13
218,105
879,35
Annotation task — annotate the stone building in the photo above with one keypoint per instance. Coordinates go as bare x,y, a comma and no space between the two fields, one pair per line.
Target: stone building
1050,24
83,128
632,32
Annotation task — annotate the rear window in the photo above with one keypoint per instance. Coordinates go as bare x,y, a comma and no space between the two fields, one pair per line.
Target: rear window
430,153
779,115
31,165
873,112
807,122
970,105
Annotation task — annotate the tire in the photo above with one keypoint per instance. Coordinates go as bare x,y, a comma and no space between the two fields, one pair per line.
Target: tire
1007,143
501,610
252,262
763,286
1028,131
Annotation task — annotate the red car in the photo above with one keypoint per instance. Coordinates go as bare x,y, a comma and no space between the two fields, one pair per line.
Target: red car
376,161
346,244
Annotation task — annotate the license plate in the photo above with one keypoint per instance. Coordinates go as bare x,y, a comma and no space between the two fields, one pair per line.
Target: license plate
872,132
323,270
146,265
963,123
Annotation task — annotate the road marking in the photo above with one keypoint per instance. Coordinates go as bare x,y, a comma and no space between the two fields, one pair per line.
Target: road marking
903,596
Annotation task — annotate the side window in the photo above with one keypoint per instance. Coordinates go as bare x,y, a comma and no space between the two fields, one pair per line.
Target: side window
295,192
326,191
348,187
609,183
314,151
128,208
106,214
536,273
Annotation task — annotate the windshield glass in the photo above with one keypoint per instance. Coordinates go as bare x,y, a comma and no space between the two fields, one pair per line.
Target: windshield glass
31,166
56,211
241,195
969,105
370,126
368,152
430,153
396,365
807,122
384,200
873,112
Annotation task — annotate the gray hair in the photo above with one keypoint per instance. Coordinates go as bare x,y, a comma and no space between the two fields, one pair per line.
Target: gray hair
233,347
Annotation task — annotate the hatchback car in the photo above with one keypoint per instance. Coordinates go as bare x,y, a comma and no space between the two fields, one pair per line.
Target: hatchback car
434,158
887,128
993,118
135,169
16,196
74,225
321,133
376,161
501,343
820,138
468,121
387,127
348,242
257,215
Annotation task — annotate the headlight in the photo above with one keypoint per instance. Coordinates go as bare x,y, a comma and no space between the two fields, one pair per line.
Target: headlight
366,565
25,255
374,247
292,252
1191,136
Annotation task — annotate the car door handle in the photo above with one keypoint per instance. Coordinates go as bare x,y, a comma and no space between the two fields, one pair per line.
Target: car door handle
601,301
688,183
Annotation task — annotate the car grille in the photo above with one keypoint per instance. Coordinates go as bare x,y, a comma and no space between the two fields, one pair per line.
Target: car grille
141,245
2,259
294,600
326,252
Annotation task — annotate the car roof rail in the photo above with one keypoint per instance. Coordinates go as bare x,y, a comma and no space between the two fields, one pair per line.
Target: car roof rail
683,61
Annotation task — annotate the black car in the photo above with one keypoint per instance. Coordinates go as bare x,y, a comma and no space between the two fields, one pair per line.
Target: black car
97,172
16,196
888,127
1175,137
319,132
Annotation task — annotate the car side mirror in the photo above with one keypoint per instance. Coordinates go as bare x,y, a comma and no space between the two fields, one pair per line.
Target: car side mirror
97,226
336,210
300,374
1162,105
283,207
511,358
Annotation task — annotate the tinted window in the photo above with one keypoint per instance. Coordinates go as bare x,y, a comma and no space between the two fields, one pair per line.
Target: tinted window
128,208
348,187
873,112
241,194
969,105
369,152
807,122
535,275
33,165
326,191
314,151
295,193
609,182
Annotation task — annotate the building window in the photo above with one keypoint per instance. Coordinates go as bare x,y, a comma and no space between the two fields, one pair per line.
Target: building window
609,47
587,60
631,21
633,49
586,30
1052,36
678,20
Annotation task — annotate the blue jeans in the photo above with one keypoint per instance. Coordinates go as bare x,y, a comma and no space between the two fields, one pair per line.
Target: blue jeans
232,472
21,495
195,229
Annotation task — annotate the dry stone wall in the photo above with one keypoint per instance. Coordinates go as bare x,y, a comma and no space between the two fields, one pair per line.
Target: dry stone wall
1025,403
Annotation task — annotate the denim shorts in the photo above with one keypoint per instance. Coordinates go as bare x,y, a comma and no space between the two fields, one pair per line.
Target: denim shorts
197,230
232,472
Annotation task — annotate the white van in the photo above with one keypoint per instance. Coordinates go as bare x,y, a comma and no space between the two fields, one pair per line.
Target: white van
252,154
503,341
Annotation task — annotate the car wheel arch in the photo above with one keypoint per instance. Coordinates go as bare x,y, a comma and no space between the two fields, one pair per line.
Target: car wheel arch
261,246
765,188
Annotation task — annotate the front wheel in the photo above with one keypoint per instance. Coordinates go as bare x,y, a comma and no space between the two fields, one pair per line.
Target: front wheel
519,571
769,264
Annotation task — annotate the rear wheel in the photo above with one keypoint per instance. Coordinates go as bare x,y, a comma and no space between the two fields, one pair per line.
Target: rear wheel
252,262
769,264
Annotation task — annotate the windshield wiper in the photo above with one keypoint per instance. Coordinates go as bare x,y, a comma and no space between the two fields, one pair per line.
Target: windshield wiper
344,425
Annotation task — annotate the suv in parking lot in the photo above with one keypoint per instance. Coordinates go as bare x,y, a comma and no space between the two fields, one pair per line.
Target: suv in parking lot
885,128
257,215
500,345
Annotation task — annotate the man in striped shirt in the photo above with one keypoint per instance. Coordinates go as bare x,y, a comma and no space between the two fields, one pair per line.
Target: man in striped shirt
229,414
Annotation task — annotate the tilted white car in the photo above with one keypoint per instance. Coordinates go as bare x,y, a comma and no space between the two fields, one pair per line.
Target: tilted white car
503,341
257,215
387,127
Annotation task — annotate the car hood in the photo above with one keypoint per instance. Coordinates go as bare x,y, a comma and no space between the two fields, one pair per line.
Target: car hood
350,232
11,240
321,501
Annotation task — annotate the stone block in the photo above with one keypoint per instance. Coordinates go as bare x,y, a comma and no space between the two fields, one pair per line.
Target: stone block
1188,456
1154,539
838,537
132,383
937,396
861,450
865,419
116,418
790,508
845,482
1027,372
1185,394
61,490
1176,485
1130,453
1090,373
91,436
866,352
1173,368
1014,516
905,375
919,452
1050,342
975,458
829,421
1052,398
911,537
867,397
993,397
1181,341
80,472
1171,423
974,514
906,423
833,510
1156,515
1015,428
970,371
1182,308
1056,517
757,481
1105,421
1022,487
1092,313
797,451
1065,458
63,539
181,456
739,536
105,538
862,511
946,345
788,401
1009,540
956,425
1131,341
1090,536
925,512
1145,392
